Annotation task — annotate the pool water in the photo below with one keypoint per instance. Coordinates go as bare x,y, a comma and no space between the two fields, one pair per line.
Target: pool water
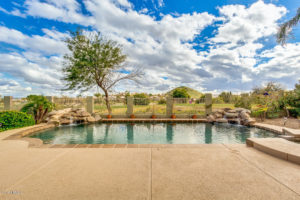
147,133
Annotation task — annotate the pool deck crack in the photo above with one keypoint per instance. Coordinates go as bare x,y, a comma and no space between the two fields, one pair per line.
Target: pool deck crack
260,169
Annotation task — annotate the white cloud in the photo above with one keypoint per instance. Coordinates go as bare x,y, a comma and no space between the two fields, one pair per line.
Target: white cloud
248,24
51,43
21,68
283,64
15,12
65,11
164,48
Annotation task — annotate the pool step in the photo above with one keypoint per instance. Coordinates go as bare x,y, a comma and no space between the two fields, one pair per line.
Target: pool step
277,147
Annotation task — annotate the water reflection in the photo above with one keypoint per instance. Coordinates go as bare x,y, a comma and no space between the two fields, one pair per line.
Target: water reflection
107,127
160,133
90,135
130,137
169,129
208,133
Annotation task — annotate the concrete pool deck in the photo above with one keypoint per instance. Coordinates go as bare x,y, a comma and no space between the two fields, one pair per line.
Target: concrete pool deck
212,171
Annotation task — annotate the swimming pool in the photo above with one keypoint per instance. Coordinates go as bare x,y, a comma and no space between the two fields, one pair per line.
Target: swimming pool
147,133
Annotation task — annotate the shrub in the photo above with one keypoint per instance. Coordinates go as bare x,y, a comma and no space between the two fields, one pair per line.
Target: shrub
243,102
141,99
14,119
217,100
294,112
180,93
38,106
162,101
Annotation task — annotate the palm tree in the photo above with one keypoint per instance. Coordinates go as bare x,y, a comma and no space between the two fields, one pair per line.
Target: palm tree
285,29
38,106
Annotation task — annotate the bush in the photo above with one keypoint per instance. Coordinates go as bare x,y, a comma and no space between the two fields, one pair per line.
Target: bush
162,101
294,112
141,99
217,100
15,119
180,93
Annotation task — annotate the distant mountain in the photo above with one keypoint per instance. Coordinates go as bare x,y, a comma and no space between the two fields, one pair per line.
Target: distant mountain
193,93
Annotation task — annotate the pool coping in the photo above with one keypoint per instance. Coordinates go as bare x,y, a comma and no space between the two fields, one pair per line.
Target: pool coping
21,134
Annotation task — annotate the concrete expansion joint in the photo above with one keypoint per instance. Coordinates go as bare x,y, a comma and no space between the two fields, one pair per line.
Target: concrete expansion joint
263,171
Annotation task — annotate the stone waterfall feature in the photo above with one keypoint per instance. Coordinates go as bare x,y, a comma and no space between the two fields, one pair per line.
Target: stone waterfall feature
70,116
234,116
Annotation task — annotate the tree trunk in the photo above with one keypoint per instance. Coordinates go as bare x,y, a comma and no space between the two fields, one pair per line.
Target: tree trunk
107,102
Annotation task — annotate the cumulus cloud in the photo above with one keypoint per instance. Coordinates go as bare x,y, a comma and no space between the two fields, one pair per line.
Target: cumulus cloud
164,47
50,43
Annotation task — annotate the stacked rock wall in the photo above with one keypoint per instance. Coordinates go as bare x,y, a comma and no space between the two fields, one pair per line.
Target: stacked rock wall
70,116
236,116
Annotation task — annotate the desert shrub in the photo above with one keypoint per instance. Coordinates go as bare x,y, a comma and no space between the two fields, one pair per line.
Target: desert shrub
162,101
217,100
180,93
15,119
141,99
243,102
260,112
294,112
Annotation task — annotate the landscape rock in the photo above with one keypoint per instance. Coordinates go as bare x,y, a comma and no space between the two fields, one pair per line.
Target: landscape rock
231,115
222,120
219,115
211,118
69,116
249,122
227,115
244,115
97,117
90,119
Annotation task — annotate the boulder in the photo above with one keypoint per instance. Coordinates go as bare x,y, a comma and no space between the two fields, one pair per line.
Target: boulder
249,122
232,111
234,121
231,115
239,109
226,109
211,118
244,115
83,114
67,116
91,119
65,121
220,112
52,113
222,120
97,117
218,115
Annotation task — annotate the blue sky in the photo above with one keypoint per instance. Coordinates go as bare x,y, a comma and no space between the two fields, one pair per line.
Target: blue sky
211,46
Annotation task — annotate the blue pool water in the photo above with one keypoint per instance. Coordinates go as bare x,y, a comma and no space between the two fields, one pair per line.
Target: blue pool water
147,133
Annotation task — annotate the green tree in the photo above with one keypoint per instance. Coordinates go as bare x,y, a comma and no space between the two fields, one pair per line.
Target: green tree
285,29
271,87
293,99
95,61
180,93
38,106
141,99
226,96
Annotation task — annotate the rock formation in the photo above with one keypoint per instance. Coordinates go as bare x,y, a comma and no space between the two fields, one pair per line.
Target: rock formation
70,116
236,116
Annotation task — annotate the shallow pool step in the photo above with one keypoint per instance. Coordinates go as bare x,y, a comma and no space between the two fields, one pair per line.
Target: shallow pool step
278,147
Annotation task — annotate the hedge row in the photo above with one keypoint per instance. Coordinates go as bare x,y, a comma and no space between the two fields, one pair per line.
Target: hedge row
14,119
